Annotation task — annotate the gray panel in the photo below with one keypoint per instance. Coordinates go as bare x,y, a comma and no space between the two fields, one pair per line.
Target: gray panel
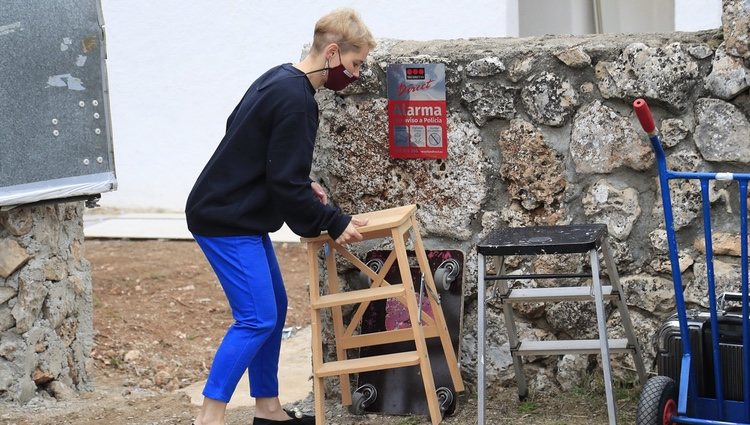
54,106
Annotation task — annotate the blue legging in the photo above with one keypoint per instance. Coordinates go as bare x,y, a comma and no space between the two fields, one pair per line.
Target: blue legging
249,273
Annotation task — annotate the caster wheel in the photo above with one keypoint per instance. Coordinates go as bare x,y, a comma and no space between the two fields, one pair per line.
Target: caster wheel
362,397
658,402
358,404
375,265
442,280
447,401
446,273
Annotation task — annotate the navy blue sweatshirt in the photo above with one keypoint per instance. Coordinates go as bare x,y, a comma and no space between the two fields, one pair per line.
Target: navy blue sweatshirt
259,176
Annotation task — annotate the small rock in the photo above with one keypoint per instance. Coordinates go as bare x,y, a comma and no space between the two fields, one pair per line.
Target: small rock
700,50
131,356
6,293
722,131
485,67
60,391
722,244
574,57
14,256
41,377
549,99
520,68
673,131
18,221
162,378
735,22
728,76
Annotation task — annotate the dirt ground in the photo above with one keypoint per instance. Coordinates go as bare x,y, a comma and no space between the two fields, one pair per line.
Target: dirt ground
159,314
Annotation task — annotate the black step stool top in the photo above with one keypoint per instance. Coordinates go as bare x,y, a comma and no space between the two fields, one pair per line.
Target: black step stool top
535,240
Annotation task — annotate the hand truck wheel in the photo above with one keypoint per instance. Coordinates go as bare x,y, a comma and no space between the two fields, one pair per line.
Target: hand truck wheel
447,401
362,397
658,402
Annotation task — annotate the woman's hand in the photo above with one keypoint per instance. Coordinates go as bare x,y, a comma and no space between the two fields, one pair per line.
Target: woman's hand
320,193
350,233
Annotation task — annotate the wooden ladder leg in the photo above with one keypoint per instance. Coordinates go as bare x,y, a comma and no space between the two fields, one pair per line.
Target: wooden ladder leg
316,337
442,326
419,341
338,324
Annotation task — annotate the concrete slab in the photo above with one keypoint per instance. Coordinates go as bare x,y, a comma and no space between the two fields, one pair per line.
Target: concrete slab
152,226
295,369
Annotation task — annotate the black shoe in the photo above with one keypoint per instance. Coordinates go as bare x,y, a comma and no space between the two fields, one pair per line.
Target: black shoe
296,418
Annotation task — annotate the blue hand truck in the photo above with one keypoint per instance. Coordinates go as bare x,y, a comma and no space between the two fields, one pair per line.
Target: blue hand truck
662,401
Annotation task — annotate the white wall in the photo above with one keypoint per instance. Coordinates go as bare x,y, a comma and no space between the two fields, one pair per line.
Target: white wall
177,68
696,15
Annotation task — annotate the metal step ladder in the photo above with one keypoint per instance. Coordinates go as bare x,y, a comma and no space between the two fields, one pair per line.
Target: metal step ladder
569,239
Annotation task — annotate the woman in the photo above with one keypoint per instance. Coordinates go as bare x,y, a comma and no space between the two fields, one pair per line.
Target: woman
257,179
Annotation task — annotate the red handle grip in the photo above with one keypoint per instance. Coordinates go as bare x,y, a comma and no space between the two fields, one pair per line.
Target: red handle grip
644,115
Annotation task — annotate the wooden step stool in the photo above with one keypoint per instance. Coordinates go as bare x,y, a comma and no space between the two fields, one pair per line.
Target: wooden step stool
395,223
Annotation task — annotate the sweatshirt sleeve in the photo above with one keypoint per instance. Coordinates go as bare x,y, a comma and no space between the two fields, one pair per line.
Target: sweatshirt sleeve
288,166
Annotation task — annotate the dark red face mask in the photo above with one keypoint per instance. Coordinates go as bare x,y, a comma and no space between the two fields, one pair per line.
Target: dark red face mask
339,77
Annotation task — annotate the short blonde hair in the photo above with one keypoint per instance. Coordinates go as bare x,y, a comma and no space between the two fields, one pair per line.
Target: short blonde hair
344,27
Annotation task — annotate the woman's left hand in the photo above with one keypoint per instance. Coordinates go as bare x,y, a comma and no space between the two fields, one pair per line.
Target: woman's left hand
320,192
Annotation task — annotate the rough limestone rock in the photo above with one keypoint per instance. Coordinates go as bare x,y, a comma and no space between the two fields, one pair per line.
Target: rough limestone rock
673,131
488,100
728,76
575,57
603,140
60,303
685,160
700,50
571,370
17,221
449,192
686,202
617,208
576,319
31,295
664,74
722,131
485,67
549,99
533,170
498,360
727,277
6,293
722,243
645,326
13,257
735,21
649,293
7,320
520,68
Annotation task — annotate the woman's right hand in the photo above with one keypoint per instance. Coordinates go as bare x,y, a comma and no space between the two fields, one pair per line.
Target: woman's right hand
351,234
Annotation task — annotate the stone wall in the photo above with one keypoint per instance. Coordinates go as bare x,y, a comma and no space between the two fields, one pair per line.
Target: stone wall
541,131
46,331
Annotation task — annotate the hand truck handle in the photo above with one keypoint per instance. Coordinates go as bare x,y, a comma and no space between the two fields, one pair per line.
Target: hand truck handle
644,115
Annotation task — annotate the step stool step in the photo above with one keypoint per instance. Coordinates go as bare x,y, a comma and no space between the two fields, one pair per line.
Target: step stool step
366,364
360,295
573,346
574,293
